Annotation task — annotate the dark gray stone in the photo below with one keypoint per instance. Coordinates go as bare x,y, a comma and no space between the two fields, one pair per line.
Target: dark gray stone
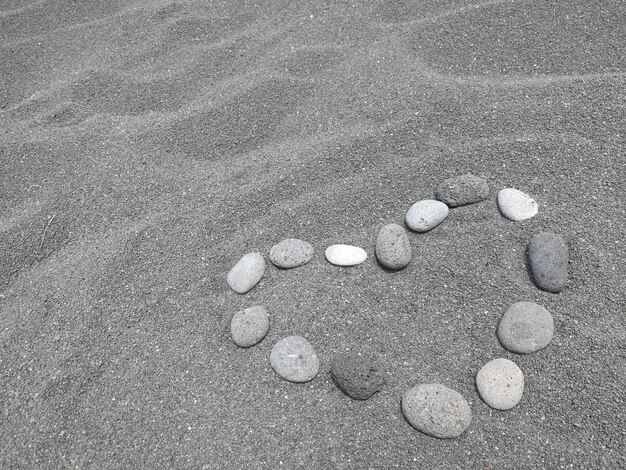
393,248
548,257
525,328
357,376
291,253
462,190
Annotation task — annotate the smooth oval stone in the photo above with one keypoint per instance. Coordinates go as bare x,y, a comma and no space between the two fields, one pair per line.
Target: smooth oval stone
345,255
436,410
294,359
357,376
516,205
249,326
525,328
462,190
426,215
548,257
500,384
291,253
393,248
246,273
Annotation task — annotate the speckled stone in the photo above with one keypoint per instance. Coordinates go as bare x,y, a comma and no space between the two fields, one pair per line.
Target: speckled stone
393,248
462,190
249,326
246,273
548,257
357,376
291,253
516,205
437,410
525,328
294,359
345,255
500,384
426,215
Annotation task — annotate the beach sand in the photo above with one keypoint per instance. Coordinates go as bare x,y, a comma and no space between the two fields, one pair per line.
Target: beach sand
146,145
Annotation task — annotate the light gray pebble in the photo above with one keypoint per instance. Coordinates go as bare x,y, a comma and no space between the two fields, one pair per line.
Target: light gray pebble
426,215
516,205
291,253
525,328
500,384
249,326
294,359
246,273
548,257
345,255
436,410
393,248
462,190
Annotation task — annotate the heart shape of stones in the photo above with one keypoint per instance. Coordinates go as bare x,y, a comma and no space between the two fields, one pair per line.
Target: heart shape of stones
434,409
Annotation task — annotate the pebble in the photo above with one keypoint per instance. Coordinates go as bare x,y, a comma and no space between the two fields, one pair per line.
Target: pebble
294,359
436,410
246,273
462,190
291,253
357,376
393,248
426,215
249,326
548,257
345,255
500,384
516,205
525,328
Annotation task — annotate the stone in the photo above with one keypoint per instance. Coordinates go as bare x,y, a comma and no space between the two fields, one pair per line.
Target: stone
357,376
291,253
345,255
393,248
462,190
249,326
525,328
246,273
294,359
548,257
436,410
516,205
500,384
426,215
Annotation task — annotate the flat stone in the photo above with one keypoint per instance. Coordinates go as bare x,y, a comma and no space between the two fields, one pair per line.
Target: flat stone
291,253
462,190
516,205
426,215
294,359
249,326
500,384
548,257
345,255
525,328
436,410
357,376
246,273
393,248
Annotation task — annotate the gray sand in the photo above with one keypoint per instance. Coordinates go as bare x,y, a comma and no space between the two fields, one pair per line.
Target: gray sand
169,139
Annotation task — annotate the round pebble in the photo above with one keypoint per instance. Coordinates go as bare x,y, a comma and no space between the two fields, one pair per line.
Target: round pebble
249,326
294,359
500,384
357,376
426,215
462,190
516,205
246,273
345,255
525,328
291,253
548,257
393,248
436,410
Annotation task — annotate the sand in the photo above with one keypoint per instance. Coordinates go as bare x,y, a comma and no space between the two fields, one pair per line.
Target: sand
146,146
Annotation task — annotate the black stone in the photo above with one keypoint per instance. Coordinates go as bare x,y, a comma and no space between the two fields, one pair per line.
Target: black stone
548,257
357,376
462,190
